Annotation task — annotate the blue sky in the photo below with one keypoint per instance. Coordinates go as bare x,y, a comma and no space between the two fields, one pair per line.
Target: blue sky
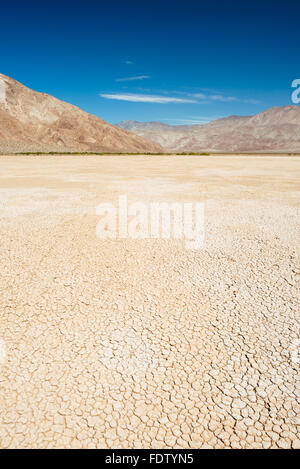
175,61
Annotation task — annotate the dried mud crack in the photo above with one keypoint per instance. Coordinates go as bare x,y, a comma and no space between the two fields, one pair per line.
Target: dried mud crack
142,343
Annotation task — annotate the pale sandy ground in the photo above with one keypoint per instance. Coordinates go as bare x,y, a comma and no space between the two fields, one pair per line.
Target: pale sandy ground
142,343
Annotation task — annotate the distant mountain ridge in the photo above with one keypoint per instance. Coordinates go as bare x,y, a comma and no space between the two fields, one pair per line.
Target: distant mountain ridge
32,121
276,129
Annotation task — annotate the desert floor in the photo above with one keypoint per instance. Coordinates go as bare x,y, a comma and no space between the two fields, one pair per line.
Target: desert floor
144,343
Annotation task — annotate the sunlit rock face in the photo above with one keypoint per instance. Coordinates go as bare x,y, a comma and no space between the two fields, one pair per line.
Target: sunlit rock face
32,121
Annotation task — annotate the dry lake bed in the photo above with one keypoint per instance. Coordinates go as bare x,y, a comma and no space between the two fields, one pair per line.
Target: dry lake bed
142,343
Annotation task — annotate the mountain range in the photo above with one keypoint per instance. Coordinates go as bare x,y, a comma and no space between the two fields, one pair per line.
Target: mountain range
32,121
276,129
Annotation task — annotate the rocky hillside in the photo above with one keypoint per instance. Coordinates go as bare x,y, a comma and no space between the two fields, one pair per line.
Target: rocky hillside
277,129
32,121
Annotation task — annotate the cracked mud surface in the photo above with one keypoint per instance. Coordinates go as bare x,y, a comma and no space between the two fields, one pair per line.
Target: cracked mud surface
142,343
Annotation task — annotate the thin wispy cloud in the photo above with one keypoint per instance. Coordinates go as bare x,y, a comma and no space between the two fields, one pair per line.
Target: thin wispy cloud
144,98
138,77
128,62
200,95
223,98
163,98
215,97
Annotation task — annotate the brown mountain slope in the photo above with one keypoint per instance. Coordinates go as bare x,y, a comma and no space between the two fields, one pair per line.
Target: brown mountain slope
32,121
277,129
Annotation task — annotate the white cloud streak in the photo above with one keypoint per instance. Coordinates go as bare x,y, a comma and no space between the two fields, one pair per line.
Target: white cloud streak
138,77
200,96
215,97
224,99
144,98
